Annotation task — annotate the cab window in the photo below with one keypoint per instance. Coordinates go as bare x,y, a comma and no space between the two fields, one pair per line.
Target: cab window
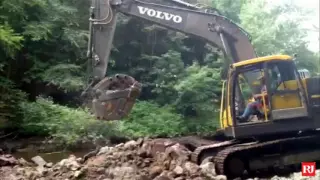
245,89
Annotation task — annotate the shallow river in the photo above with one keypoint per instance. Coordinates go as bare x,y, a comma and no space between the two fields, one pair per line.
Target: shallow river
53,157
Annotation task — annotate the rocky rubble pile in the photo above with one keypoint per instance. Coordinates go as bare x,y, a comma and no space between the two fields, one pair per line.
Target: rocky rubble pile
134,160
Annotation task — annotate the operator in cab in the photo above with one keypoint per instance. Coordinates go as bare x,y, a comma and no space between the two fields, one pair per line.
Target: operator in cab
254,107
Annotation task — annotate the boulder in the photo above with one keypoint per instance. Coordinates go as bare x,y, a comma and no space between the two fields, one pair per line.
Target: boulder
8,160
208,169
39,161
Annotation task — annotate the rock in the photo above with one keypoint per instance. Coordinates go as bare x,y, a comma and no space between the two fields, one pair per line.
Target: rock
104,150
139,141
130,145
165,173
119,145
128,161
74,167
8,156
41,170
49,165
90,154
98,161
220,177
31,175
178,152
70,163
179,178
275,178
79,160
100,170
39,161
161,177
198,178
191,167
155,171
145,150
172,174
20,171
206,160
77,174
208,169
7,160
23,162
178,170
121,173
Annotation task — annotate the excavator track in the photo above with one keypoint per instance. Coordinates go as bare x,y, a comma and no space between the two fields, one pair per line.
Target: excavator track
233,158
221,158
202,152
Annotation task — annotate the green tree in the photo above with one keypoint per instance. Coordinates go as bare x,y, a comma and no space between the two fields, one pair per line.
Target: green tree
279,32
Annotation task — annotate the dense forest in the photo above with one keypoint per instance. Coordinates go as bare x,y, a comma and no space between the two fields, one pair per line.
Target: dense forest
43,67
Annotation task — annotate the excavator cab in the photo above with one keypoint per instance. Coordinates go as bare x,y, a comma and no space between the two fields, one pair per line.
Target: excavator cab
283,107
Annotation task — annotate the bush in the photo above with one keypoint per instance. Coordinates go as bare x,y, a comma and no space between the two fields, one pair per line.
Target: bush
44,118
148,119
70,126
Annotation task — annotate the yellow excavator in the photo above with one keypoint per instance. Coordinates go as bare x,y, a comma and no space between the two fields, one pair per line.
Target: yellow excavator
281,133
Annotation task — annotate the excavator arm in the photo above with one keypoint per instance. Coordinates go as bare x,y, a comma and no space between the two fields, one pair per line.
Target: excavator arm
113,97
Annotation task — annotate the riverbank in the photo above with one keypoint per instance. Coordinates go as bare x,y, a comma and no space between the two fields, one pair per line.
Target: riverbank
73,126
49,149
133,160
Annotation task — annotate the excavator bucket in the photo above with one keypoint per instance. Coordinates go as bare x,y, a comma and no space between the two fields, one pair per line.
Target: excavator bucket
113,97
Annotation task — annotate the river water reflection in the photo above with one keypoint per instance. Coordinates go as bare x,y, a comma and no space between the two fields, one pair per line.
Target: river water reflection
53,157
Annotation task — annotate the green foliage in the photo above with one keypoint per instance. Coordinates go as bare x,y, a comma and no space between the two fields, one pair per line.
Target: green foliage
9,101
148,119
168,70
229,8
46,33
198,97
66,76
68,125
198,90
44,41
280,32
9,40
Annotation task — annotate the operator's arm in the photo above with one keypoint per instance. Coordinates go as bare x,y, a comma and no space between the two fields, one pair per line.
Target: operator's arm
263,92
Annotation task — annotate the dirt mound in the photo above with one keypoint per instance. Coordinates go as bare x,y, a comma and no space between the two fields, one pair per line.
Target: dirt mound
159,159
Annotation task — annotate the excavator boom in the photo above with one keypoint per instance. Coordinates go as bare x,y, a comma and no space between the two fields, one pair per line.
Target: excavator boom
217,30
